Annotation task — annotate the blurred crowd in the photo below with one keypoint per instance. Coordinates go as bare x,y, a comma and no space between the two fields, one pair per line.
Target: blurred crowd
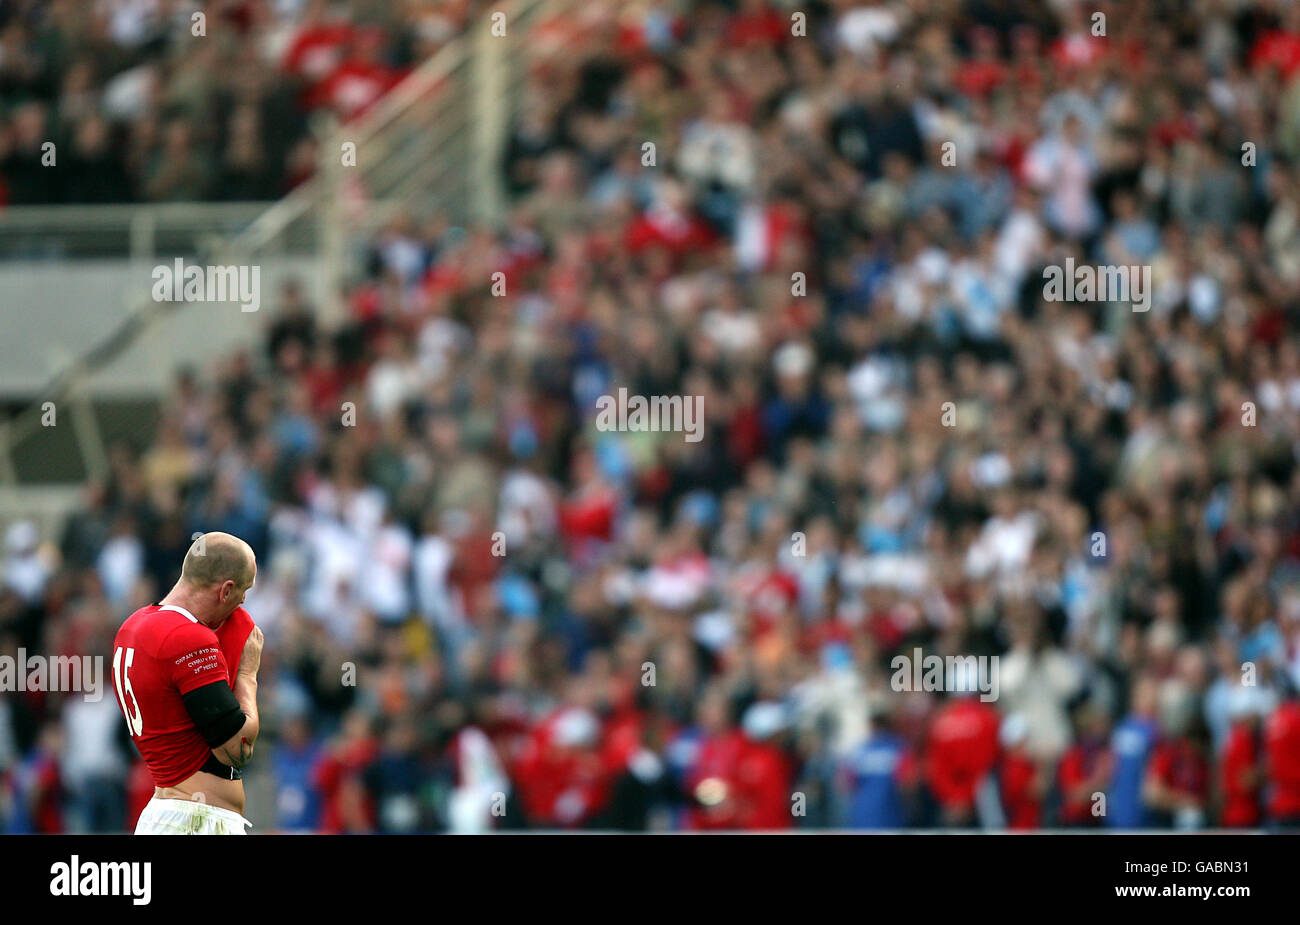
482,611
145,103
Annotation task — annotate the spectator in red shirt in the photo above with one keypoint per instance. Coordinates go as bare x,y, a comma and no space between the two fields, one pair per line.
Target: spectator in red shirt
360,80
1177,784
139,791
961,752
564,781
1022,781
1077,45
1085,768
587,514
1279,49
1241,765
338,777
670,224
756,23
1282,738
475,566
40,784
764,775
712,780
984,72
318,45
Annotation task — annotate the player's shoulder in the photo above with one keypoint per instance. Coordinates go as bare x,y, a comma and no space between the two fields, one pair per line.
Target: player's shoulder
154,625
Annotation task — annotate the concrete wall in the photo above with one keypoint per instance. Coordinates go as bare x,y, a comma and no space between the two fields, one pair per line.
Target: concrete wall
52,312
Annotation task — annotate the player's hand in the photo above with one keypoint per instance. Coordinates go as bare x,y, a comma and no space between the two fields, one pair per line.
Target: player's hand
251,659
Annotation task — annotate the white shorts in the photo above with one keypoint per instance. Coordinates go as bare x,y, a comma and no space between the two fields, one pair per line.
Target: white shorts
188,817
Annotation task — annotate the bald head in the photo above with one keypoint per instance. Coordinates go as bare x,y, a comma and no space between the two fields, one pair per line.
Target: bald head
216,558
215,577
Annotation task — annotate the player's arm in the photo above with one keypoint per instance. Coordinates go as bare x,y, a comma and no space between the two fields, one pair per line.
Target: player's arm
226,717
222,720
237,750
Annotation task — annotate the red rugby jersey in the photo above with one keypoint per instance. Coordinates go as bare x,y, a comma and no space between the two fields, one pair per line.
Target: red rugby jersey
231,635
159,654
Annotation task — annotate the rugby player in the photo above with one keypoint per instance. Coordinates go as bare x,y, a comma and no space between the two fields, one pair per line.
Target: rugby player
194,721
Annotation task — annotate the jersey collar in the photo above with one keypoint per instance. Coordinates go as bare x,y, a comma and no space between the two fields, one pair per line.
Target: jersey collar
179,610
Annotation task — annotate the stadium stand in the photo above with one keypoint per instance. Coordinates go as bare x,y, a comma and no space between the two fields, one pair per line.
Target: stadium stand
837,241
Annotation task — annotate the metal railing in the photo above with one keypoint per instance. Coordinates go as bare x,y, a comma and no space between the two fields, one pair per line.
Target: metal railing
133,231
